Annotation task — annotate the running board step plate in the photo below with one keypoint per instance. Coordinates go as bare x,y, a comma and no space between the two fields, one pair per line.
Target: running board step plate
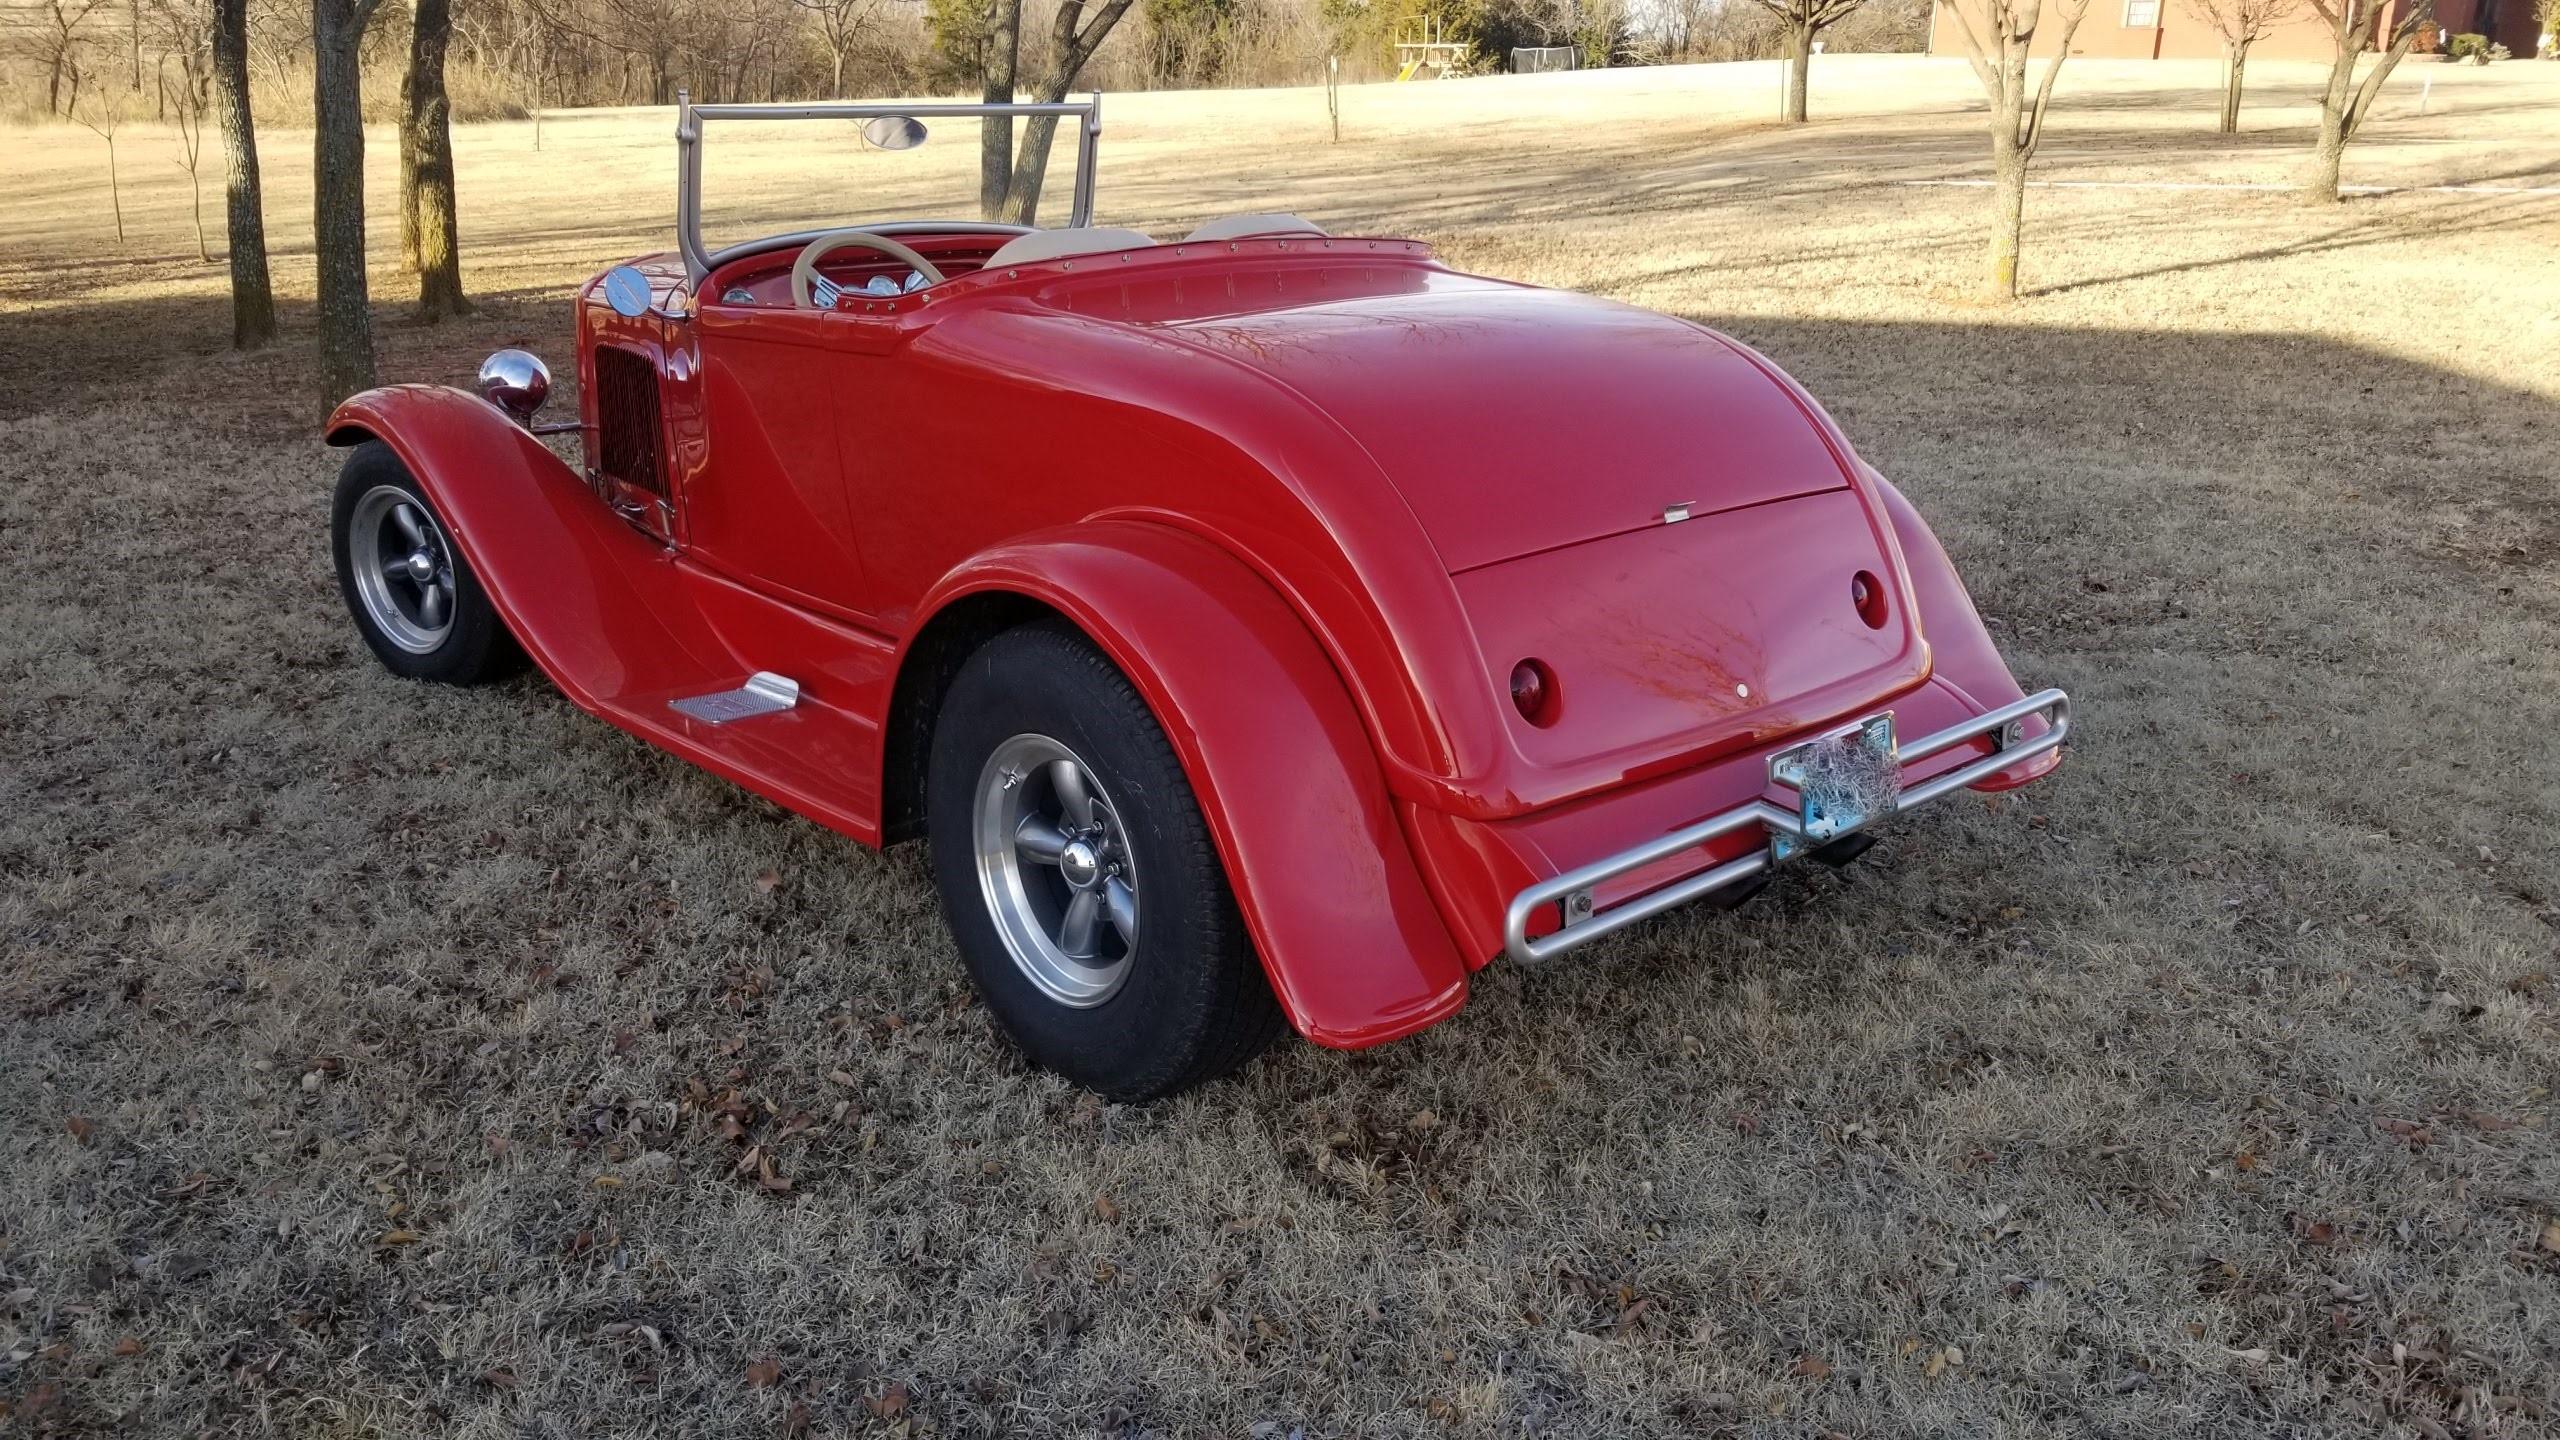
765,693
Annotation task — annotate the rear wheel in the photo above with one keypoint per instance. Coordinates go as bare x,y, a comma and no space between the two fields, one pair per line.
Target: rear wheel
1080,880
413,596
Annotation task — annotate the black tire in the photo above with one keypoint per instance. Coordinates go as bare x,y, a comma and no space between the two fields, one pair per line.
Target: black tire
470,645
1193,1003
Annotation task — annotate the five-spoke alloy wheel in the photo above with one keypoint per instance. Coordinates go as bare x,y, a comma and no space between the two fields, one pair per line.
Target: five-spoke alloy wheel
1081,882
411,592
1057,870
403,569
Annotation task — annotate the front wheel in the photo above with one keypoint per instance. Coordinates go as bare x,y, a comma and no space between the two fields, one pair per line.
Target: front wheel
1082,886
415,601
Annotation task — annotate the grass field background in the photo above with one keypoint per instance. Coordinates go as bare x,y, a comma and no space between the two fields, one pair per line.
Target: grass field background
383,1060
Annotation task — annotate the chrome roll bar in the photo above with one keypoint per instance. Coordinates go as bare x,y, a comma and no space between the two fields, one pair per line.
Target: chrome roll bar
690,118
1572,890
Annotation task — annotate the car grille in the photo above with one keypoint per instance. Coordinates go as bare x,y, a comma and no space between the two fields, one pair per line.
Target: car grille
627,429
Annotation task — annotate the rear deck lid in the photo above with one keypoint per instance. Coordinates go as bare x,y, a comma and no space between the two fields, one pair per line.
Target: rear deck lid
1515,420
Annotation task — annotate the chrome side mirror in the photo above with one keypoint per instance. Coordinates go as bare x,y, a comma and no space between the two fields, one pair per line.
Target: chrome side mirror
517,382
893,132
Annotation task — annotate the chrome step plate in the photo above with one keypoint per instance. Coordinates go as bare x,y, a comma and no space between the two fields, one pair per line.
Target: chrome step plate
765,693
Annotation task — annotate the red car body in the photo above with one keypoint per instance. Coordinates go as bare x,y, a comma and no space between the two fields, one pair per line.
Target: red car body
1320,498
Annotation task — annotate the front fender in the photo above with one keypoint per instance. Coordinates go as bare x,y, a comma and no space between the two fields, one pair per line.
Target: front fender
580,590
1276,754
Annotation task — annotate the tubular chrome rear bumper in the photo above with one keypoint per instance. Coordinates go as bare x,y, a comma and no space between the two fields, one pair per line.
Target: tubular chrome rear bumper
1573,889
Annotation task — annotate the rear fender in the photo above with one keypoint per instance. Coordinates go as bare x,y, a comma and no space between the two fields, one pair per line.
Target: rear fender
1273,748
1963,657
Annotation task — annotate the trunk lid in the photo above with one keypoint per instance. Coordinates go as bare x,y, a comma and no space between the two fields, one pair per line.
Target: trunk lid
1677,643
1514,420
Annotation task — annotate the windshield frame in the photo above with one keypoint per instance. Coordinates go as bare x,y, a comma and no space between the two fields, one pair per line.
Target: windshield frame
690,118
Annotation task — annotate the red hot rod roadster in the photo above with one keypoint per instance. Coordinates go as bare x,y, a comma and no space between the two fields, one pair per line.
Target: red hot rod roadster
1263,626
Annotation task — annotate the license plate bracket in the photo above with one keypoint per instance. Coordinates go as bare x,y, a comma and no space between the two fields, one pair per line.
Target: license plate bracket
1844,781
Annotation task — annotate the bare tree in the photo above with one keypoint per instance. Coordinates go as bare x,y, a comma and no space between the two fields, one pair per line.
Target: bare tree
253,303
1074,36
2241,24
2344,104
106,112
1800,21
2017,121
56,37
337,196
840,25
430,237
2546,14
1001,62
188,113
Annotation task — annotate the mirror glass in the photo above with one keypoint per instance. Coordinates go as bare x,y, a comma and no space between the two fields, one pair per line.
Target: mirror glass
894,132
627,291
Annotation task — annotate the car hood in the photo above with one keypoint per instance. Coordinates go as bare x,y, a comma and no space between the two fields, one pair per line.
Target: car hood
1515,420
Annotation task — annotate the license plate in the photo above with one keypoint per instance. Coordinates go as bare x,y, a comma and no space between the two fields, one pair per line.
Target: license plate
1842,782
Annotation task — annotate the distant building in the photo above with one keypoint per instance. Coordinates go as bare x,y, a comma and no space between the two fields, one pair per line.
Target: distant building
2169,30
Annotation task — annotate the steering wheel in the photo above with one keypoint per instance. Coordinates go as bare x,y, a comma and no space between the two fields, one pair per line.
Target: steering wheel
805,269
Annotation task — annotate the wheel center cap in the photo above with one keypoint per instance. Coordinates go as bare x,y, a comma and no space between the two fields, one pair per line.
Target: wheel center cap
1081,865
422,567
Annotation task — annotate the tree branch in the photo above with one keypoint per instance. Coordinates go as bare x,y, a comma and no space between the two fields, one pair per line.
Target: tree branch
2404,38
2073,14
1973,52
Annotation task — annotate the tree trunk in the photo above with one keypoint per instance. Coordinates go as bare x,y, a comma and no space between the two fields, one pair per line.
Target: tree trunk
1073,48
2008,202
1799,69
337,200
2236,61
195,207
253,302
2320,182
995,133
115,188
1022,198
429,226
835,87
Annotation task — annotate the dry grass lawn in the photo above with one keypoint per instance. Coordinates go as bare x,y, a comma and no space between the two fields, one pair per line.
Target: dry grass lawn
379,1060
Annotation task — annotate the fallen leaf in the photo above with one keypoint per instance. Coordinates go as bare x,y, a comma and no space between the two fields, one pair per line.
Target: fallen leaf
400,1237
501,1378
765,1373
843,1078
80,1128
889,1404
128,1347
2483,1121
2255,1355
768,882
1812,1367
2245,1160
1106,1208
2551,1237
2409,1130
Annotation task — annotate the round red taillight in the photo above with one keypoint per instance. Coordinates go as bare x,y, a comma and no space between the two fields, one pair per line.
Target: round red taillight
1866,592
1533,690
